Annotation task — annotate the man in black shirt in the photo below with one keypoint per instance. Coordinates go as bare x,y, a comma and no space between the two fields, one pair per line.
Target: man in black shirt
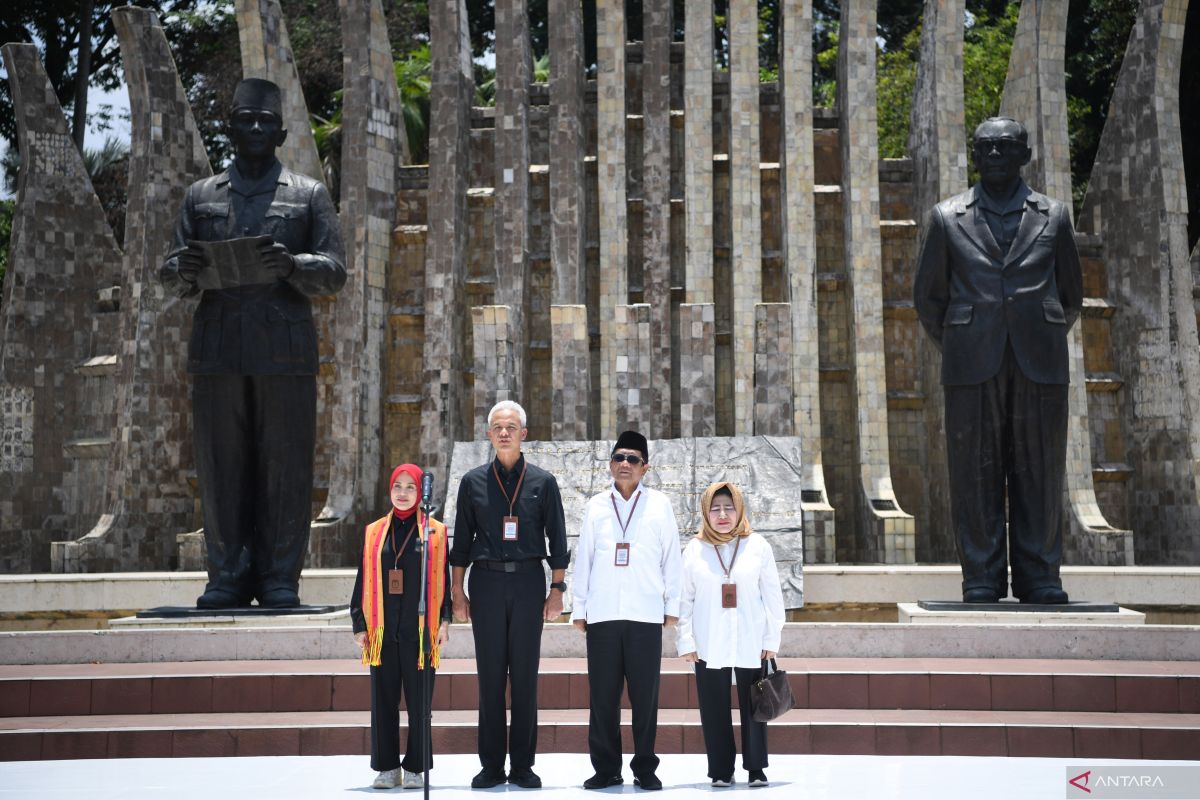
509,519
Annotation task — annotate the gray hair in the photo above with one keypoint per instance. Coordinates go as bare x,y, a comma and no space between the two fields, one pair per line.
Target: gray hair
508,405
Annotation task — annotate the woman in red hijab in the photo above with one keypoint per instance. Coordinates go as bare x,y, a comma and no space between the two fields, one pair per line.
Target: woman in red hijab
388,628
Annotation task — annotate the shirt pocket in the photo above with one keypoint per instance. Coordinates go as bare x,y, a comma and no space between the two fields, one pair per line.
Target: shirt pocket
293,337
280,221
212,221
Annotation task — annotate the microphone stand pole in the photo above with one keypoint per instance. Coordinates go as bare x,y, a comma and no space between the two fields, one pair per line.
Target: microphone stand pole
426,732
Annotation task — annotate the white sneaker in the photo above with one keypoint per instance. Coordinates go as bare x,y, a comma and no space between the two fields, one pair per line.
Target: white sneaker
721,783
413,780
386,780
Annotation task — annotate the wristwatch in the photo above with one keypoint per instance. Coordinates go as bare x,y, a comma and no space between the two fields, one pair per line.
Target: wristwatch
560,585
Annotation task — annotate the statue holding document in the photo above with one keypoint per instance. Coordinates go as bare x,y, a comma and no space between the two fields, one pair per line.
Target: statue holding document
254,243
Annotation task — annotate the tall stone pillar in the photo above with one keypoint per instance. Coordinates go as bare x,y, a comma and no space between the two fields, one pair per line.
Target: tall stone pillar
567,179
745,203
57,343
1137,202
614,225
633,372
697,370
887,530
148,496
571,365
442,420
1036,94
800,261
772,370
938,146
371,129
657,30
494,342
514,70
698,153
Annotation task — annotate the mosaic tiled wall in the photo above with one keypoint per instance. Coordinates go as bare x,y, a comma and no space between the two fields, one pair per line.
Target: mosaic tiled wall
570,387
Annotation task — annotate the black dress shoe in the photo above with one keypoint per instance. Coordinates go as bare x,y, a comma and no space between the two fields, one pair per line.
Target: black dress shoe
649,782
487,778
221,598
278,598
1047,595
599,781
981,595
525,778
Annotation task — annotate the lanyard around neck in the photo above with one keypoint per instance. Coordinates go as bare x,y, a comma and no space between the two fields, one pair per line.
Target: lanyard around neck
729,569
625,525
407,539
516,492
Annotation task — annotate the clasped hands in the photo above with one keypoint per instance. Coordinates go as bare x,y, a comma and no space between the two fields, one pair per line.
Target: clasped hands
691,658
360,638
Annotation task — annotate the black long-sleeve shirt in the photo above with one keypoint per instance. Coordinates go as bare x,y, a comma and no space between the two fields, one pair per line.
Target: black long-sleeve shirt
399,610
479,521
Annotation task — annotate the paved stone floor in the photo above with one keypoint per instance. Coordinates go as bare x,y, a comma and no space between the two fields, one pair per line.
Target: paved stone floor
792,777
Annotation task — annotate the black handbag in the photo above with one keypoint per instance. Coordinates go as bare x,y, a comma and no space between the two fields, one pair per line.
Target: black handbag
771,695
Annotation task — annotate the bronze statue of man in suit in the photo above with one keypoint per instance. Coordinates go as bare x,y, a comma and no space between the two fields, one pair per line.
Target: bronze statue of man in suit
998,286
253,353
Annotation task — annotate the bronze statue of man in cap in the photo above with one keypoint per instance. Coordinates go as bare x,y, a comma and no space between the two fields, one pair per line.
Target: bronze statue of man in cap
254,243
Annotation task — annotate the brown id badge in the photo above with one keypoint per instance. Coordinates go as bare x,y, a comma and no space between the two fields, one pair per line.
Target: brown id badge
395,581
729,595
510,529
621,556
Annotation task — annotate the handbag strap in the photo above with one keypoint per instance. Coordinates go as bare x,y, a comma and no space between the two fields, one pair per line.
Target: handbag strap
768,667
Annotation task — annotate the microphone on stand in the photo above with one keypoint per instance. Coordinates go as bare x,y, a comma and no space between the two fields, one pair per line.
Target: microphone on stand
426,732
427,491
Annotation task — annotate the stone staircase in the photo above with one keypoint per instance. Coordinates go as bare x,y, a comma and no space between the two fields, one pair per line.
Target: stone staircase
863,706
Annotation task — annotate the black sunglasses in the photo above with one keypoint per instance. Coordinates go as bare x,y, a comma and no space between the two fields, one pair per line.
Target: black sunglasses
633,460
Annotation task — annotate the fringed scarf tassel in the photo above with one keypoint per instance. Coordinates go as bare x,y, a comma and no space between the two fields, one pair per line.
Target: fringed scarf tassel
371,656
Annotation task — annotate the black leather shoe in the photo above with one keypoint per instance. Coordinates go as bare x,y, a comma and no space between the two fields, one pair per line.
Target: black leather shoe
220,598
487,778
981,595
649,782
525,778
1047,595
278,598
599,781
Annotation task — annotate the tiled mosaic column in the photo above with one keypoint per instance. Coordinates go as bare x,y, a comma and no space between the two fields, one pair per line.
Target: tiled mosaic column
772,369
571,367
1036,94
745,203
938,147
633,372
697,370
371,128
887,530
494,342
698,153
57,355
610,130
1136,196
442,421
656,207
514,70
567,180
148,496
800,261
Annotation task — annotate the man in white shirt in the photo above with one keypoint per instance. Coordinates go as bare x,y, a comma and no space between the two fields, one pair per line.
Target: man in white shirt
626,590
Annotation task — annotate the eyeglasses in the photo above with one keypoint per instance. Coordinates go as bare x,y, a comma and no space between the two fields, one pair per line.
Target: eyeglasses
617,458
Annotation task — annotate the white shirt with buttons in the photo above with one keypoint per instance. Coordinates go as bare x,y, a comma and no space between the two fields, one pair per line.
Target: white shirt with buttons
730,637
648,588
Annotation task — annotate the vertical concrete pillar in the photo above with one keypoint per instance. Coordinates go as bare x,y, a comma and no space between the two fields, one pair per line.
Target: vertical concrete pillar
567,180
149,499
493,340
887,530
1137,202
58,343
1035,93
614,225
633,366
698,152
697,370
800,261
571,365
442,421
514,70
745,203
772,370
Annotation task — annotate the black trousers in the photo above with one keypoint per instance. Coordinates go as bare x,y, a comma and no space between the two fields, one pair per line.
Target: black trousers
1007,437
621,652
506,618
254,438
397,670
716,720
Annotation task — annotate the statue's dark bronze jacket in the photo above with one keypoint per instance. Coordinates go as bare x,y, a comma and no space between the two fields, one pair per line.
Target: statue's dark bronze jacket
263,329
972,299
